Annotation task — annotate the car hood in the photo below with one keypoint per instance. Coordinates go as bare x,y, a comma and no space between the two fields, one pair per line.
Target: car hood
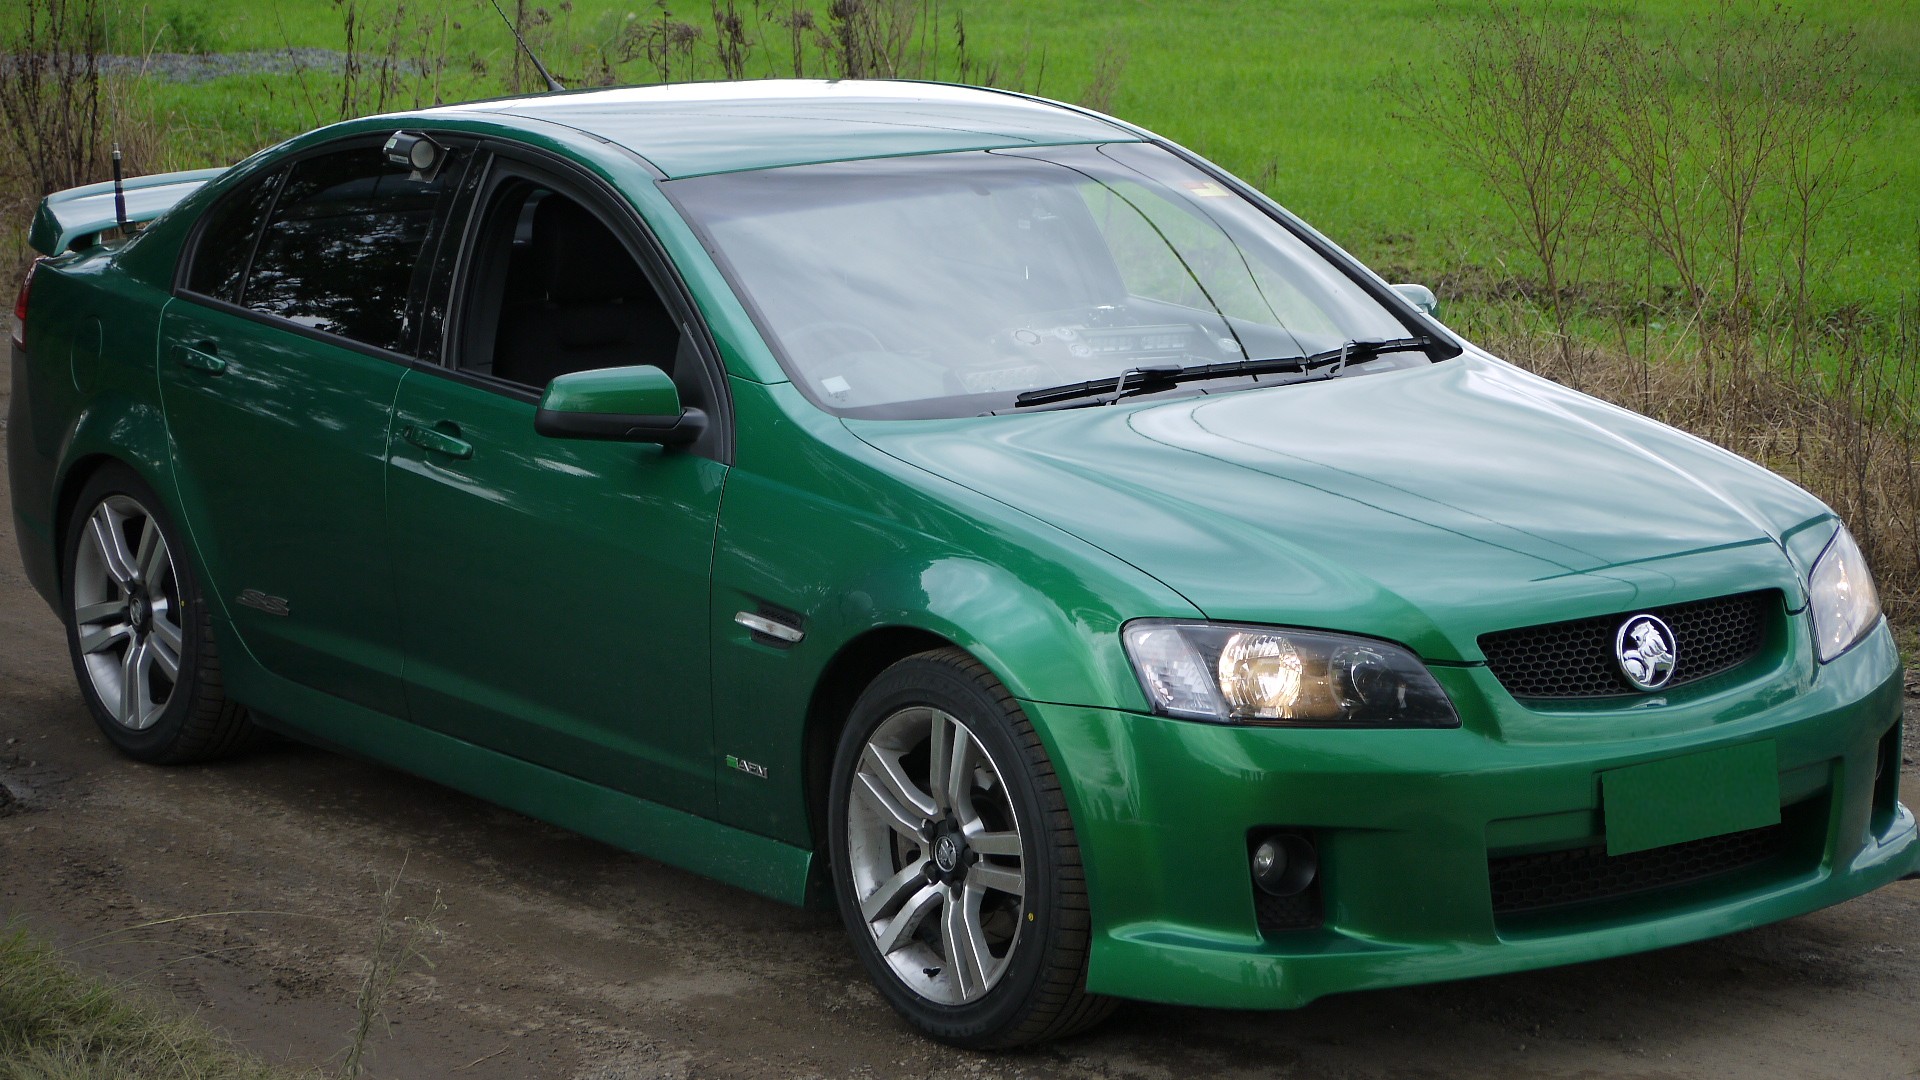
1428,505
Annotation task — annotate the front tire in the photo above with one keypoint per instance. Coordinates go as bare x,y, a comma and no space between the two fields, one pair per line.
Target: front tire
138,629
954,859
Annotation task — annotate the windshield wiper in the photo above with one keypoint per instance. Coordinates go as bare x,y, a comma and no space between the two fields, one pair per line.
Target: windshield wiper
1148,378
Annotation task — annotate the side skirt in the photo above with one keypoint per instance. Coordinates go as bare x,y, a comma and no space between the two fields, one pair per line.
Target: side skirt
739,858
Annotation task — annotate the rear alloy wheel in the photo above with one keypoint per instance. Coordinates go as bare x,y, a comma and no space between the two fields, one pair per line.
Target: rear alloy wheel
954,859
141,642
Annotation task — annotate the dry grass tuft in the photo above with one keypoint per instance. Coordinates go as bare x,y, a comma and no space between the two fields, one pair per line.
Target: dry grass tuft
56,1024
399,943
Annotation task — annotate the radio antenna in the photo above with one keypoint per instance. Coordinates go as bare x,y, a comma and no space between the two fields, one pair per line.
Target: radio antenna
552,83
119,193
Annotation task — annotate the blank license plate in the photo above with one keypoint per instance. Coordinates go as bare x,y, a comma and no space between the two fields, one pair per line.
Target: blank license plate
1690,797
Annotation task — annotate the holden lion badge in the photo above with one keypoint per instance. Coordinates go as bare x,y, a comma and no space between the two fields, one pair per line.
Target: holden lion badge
1646,651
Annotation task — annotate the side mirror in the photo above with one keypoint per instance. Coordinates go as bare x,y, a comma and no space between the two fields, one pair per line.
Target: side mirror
623,404
1420,297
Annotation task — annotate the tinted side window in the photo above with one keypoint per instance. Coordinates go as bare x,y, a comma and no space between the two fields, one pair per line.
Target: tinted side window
220,259
341,251
555,291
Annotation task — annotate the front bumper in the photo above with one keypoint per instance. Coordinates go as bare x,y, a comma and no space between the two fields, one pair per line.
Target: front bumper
1406,821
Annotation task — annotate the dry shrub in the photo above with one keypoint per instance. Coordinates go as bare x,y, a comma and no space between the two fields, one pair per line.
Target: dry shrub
1851,438
875,39
394,56
731,46
1108,67
1704,166
666,44
832,39
1728,161
1521,107
50,93
61,115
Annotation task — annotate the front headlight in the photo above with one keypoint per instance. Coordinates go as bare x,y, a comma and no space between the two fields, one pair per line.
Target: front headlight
1841,595
1285,678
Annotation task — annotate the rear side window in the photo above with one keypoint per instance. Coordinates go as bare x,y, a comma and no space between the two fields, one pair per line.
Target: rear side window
220,262
343,249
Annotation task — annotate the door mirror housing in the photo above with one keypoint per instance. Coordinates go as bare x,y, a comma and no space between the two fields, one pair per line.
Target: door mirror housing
623,404
1420,297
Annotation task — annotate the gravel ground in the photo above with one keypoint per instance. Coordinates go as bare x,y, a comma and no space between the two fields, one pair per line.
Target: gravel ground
248,889
200,67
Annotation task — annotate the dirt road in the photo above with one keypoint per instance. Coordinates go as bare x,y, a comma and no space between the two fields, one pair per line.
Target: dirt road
565,958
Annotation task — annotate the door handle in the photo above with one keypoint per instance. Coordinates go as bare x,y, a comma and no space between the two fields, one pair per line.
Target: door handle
200,358
437,441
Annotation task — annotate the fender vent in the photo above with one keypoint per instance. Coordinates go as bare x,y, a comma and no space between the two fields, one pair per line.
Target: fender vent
773,626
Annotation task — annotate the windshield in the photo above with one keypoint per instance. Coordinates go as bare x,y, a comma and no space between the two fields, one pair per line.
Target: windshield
945,285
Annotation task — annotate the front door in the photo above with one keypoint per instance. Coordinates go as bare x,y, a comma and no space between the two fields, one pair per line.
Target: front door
280,360
553,591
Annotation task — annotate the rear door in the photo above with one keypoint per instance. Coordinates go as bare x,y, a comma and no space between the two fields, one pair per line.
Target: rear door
281,355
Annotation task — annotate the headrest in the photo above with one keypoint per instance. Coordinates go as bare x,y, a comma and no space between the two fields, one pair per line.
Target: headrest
578,259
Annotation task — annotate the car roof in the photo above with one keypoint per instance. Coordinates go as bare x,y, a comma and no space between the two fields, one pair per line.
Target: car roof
693,129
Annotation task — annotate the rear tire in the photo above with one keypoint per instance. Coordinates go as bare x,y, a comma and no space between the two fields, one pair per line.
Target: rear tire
961,888
138,629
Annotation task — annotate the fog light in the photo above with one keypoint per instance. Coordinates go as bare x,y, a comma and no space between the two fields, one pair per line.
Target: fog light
1284,864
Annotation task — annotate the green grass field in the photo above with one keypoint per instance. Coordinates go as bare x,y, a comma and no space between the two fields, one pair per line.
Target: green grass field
1285,92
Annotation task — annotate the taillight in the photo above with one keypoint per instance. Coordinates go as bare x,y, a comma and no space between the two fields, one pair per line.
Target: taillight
20,308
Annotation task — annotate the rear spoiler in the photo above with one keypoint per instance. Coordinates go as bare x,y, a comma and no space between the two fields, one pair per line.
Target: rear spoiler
74,219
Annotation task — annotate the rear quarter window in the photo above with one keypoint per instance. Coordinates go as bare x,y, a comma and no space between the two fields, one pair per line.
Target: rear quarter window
226,243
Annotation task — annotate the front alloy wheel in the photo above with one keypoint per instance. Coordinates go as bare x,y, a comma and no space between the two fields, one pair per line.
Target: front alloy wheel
934,849
954,858
138,630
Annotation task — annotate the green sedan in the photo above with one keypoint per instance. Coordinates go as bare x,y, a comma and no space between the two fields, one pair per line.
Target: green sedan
967,510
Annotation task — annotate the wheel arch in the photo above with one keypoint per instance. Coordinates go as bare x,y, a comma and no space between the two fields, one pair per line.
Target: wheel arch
73,480
121,428
840,683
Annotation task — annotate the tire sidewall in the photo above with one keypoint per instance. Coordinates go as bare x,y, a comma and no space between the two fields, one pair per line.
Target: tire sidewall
157,740
930,682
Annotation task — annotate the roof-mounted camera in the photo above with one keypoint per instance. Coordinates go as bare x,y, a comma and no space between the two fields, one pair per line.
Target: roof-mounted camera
414,151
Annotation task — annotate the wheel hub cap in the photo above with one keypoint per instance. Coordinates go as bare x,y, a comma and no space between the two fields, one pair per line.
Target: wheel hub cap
946,853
